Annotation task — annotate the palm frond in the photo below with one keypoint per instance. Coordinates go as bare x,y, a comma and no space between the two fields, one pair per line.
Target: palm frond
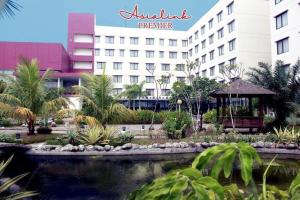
9,99
8,8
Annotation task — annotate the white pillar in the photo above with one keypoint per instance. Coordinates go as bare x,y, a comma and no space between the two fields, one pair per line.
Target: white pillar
79,81
58,83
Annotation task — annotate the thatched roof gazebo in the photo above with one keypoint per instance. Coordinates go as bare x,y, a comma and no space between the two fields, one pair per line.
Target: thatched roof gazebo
242,89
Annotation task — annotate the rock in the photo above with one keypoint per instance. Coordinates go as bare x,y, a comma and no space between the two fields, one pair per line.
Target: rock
81,148
268,145
260,144
99,148
155,145
162,146
254,145
58,148
143,147
192,144
135,146
198,144
150,146
112,147
168,145
212,144
90,148
117,148
184,145
204,144
126,146
75,149
176,145
67,147
48,147
107,147
291,146
280,146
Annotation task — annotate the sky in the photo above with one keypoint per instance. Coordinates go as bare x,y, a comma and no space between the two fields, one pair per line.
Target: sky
46,20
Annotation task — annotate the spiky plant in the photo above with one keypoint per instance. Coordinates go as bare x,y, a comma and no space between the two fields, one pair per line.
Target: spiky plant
8,8
25,95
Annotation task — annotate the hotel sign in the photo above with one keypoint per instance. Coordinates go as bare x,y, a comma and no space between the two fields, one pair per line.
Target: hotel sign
162,20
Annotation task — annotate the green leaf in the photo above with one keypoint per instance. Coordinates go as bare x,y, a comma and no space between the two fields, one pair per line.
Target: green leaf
246,165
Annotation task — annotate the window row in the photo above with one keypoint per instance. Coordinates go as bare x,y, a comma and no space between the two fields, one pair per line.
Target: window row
148,79
149,92
212,70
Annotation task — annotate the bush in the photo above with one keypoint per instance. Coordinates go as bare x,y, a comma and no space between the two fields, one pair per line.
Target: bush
210,116
59,121
44,130
5,122
57,141
126,137
6,138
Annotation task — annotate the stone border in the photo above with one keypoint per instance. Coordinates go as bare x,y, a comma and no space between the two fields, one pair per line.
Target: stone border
135,149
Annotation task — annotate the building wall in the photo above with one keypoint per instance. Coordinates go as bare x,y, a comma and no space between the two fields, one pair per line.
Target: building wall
290,31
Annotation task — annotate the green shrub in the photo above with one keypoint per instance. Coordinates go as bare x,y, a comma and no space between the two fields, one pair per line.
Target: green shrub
271,138
144,116
210,116
6,138
126,137
57,141
5,122
59,121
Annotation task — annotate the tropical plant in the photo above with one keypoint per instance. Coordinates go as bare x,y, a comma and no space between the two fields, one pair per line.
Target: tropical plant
287,135
134,91
210,116
8,8
4,187
72,136
97,135
6,138
96,93
284,82
25,95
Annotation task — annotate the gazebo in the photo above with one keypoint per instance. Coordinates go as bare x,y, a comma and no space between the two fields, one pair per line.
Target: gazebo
240,89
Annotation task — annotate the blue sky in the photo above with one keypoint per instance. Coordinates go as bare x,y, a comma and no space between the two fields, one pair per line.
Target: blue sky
46,20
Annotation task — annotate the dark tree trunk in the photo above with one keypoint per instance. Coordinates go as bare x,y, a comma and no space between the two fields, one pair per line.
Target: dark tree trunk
31,128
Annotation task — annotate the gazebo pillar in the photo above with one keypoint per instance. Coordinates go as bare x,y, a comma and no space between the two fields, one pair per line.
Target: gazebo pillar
218,109
250,106
223,108
261,107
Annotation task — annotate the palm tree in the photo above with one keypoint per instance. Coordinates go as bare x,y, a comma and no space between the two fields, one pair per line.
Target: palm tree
133,92
284,82
141,93
25,95
8,8
98,102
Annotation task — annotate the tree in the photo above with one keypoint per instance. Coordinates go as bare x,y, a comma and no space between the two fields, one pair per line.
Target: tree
133,92
25,95
96,93
8,8
284,82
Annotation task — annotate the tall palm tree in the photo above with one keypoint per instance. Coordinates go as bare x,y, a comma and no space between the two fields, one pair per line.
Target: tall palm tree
8,8
96,94
141,92
282,80
135,91
25,95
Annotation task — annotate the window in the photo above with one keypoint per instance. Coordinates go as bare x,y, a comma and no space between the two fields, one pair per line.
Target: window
165,92
97,39
109,39
165,67
184,55
180,67
150,92
172,43
212,55
281,20
109,52
203,30
211,39
161,54
231,26
117,78
190,39
122,40
134,40
166,79
134,79
220,16
210,23
221,50
190,52
231,44
196,35
134,53
203,58
197,61
161,42
230,8
149,54
221,67
203,44
117,91
196,49
212,71
282,46
122,51
97,52
134,66
184,43
232,61
117,66
150,66
181,79
220,33
101,65
172,55
277,1
149,41
149,79
204,73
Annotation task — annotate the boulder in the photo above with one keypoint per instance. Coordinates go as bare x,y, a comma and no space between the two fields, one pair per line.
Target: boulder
204,144
192,144
184,145
260,144
268,145
280,146
99,148
90,148
117,148
67,147
150,146
169,145
135,146
107,147
48,147
155,145
291,146
176,145
81,148
162,146
126,146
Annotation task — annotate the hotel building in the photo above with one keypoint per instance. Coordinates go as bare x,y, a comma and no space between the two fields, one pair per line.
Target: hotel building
231,32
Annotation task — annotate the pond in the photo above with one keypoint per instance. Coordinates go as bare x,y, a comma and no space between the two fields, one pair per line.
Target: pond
90,178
